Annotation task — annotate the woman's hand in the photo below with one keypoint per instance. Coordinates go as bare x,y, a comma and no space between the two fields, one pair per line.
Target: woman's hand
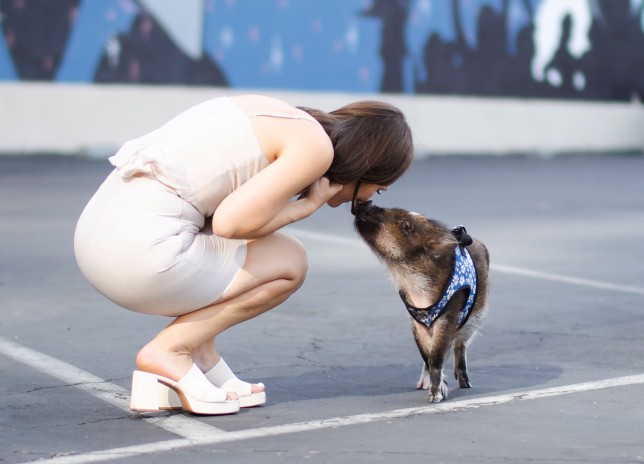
264,203
309,201
319,192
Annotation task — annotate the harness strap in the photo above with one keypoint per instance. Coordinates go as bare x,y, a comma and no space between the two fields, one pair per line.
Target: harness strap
463,279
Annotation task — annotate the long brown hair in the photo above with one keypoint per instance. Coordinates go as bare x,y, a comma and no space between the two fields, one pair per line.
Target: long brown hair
372,142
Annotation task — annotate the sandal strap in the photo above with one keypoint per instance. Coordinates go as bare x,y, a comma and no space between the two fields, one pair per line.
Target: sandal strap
223,377
220,373
196,385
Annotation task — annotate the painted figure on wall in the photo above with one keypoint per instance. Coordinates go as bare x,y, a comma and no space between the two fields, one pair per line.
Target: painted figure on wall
393,49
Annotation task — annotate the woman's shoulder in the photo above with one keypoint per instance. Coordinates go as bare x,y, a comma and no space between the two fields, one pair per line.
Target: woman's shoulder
276,132
262,104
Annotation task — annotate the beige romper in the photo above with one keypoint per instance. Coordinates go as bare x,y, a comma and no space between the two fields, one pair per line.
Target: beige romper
141,241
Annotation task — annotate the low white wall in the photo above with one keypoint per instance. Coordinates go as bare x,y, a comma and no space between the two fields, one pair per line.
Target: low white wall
97,119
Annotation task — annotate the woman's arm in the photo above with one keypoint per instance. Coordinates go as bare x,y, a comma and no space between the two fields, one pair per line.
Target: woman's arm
264,203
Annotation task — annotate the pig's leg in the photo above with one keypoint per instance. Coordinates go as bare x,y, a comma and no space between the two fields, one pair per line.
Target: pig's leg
460,363
433,345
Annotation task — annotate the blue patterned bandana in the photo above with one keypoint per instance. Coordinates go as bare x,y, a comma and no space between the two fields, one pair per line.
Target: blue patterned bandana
463,279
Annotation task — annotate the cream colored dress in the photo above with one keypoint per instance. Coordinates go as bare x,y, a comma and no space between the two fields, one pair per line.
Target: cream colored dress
141,239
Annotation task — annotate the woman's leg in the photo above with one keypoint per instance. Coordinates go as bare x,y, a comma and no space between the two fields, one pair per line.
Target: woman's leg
275,268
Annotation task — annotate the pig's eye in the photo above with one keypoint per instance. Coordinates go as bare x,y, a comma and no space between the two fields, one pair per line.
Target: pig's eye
406,226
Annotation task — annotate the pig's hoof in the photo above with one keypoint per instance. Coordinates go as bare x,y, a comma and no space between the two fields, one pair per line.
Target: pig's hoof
438,393
424,383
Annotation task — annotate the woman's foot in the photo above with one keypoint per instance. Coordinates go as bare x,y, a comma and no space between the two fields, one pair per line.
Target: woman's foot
173,365
193,393
206,357
249,395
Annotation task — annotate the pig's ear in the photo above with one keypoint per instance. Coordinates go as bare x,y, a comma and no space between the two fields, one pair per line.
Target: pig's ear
461,235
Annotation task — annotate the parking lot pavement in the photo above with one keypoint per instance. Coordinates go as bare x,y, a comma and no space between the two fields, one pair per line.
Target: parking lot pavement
557,372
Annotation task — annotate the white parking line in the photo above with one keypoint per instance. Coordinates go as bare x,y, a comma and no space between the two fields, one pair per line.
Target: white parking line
119,453
197,433
325,238
339,240
100,388
566,279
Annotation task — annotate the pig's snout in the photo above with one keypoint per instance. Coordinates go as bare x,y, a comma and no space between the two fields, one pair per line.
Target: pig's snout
364,204
357,206
365,211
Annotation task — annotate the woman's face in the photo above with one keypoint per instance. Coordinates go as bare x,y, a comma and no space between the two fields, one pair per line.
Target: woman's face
365,192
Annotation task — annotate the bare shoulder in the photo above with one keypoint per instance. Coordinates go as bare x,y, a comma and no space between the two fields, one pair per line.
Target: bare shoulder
281,127
260,105
252,104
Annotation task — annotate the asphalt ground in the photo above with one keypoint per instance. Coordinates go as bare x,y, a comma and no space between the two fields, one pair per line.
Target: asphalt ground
557,372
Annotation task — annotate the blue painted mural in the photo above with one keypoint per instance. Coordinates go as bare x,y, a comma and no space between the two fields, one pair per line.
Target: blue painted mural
573,49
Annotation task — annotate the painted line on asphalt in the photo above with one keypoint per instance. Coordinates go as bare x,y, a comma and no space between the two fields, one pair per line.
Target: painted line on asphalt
183,426
566,279
359,419
440,408
196,433
517,271
326,238
118,453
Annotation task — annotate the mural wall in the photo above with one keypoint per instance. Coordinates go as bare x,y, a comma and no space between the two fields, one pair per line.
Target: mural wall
569,49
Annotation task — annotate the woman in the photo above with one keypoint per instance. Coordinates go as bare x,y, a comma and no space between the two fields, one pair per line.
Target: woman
187,226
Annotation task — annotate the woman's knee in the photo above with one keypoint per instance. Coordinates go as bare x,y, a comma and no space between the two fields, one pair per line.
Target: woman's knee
294,260
277,257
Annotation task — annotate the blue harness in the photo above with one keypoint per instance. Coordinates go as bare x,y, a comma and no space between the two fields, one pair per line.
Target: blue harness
463,279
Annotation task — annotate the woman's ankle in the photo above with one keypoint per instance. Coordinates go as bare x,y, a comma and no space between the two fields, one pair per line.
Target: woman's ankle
156,360
205,359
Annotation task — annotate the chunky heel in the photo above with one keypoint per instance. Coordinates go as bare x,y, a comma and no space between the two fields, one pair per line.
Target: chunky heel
194,393
168,398
145,395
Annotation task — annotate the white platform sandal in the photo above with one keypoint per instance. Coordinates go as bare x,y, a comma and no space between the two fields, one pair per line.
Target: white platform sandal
223,377
193,392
